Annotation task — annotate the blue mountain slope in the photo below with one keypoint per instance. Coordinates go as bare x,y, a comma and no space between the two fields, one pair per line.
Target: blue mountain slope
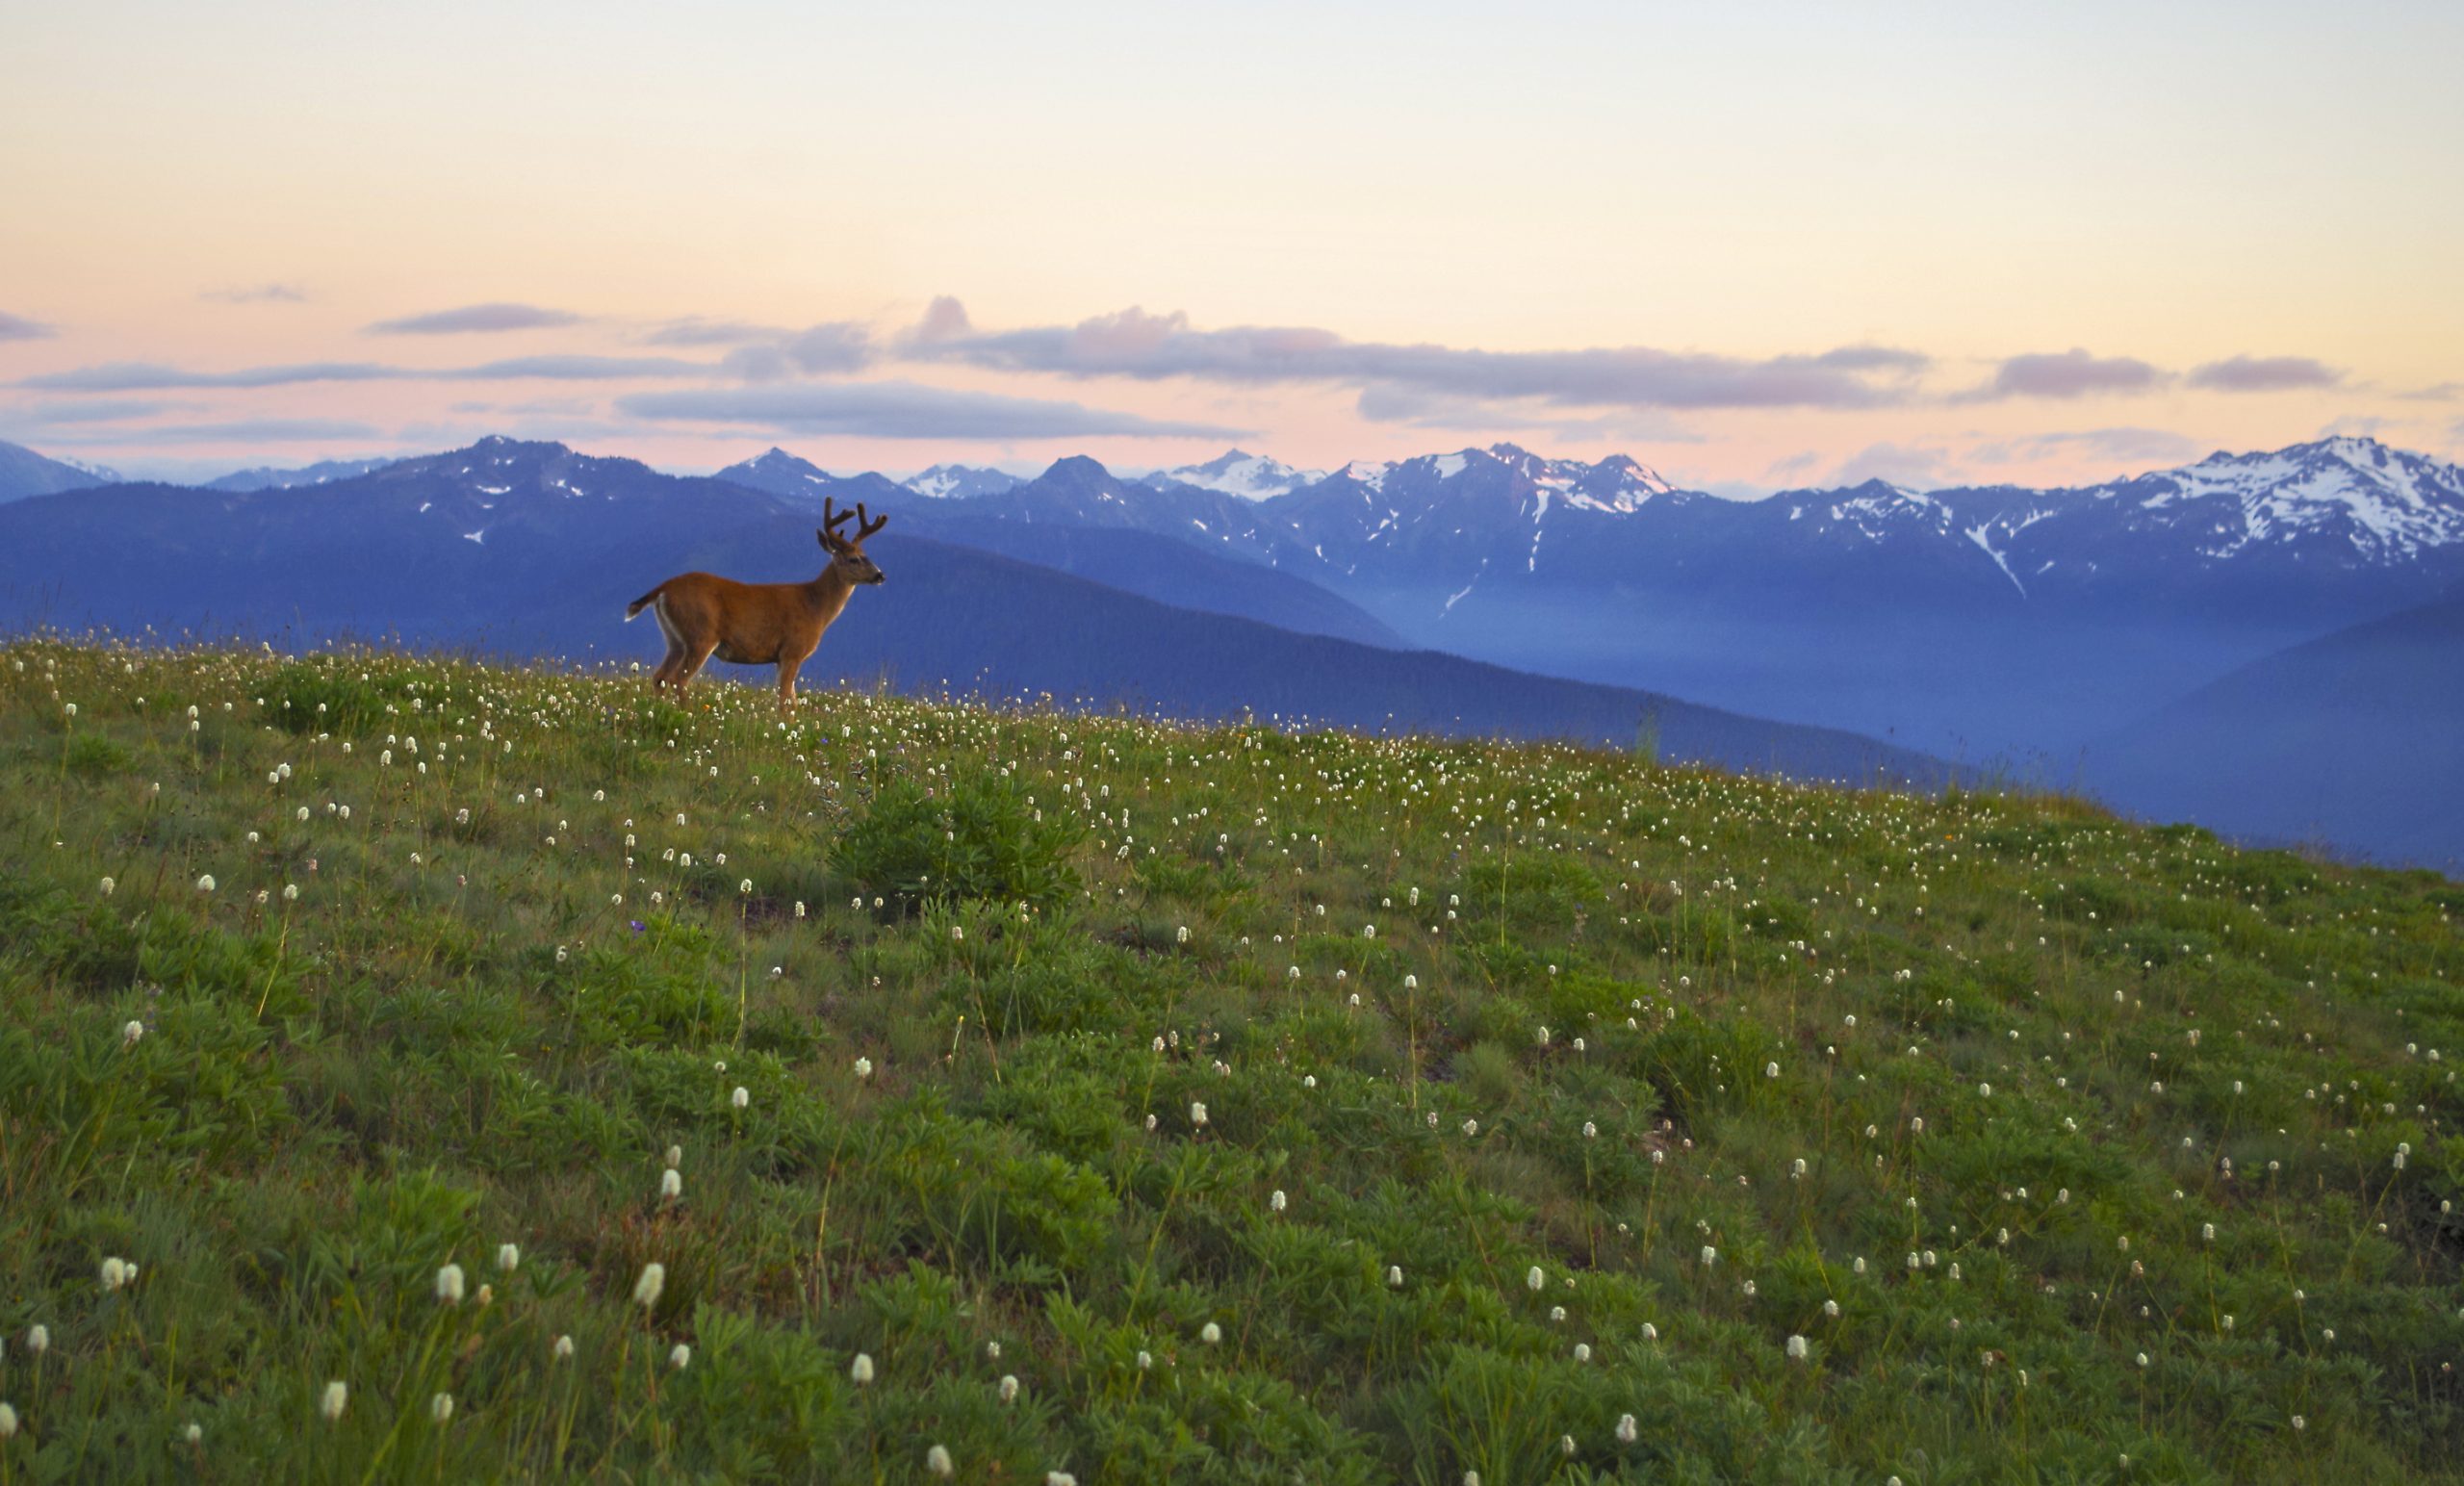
24,472
2355,740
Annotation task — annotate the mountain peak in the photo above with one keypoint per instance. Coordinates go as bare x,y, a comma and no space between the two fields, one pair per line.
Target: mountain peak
498,445
1236,472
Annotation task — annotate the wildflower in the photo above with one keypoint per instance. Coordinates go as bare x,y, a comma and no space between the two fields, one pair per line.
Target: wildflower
38,1339
938,1461
8,1421
1582,1351
335,1399
1831,1309
195,1433
1059,1478
1008,1389
671,1185
1394,1275
647,1289
508,1258
441,1407
1275,1199
449,1285
2300,1422
1471,1127
115,1273
680,1357
1146,1359
1710,1256
205,884
1210,1333
1799,1348
563,1351
1197,1114
1650,1333
108,886
1627,1432
860,1371
129,1035
863,1068
741,1097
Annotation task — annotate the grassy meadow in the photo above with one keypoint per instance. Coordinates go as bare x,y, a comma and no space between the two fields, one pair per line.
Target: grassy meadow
412,1070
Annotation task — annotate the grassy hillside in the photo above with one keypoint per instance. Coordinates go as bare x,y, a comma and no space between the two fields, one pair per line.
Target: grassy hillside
1268,1107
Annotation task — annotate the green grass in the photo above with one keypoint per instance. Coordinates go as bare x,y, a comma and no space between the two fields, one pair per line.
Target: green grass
2072,1149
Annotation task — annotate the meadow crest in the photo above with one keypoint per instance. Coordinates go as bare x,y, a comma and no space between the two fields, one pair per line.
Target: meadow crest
418,1070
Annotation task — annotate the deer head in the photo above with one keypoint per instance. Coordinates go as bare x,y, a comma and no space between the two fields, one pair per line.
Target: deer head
847,555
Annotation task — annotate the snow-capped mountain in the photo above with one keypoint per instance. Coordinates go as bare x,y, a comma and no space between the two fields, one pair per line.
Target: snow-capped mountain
959,482
808,485
2386,505
104,473
1235,473
324,471
24,472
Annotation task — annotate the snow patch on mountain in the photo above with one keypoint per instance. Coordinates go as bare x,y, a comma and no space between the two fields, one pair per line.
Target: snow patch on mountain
957,481
1236,473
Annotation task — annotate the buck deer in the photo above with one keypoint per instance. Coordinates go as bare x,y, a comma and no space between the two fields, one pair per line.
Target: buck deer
760,624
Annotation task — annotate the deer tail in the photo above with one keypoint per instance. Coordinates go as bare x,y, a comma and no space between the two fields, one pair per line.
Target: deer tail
634,610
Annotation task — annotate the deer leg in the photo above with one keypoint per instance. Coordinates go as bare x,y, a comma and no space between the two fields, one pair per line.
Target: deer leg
788,666
693,662
668,667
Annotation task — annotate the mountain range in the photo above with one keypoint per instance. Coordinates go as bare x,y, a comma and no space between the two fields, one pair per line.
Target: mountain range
533,550
2045,633
1982,621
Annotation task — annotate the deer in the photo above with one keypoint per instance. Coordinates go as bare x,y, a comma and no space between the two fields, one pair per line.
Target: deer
760,624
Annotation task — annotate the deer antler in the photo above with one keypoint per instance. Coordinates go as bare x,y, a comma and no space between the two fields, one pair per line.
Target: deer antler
866,526
833,519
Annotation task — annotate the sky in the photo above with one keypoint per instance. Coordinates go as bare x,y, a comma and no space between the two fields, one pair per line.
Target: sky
1754,246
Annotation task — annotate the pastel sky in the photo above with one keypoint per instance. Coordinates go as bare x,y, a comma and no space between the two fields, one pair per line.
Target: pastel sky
1752,245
